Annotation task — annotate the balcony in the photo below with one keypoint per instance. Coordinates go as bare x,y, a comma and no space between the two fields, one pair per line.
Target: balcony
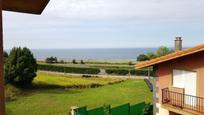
182,101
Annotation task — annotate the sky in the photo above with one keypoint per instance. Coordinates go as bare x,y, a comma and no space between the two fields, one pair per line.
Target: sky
107,24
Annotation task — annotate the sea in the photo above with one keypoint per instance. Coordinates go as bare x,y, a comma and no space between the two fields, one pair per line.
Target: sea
92,54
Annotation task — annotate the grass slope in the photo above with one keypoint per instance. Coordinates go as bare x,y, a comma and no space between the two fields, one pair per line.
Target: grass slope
57,101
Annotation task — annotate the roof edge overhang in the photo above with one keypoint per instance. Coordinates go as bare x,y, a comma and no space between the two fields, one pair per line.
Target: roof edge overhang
171,56
25,6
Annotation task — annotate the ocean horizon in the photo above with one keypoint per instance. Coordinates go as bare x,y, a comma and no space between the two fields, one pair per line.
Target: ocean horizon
91,53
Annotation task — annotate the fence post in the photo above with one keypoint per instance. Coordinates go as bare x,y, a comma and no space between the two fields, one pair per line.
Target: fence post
73,110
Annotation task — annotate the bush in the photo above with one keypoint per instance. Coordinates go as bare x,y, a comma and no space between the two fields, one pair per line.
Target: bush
74,61
11,92
20,68
61,61
117,71
89,76
82,62
5,56
141,72
142,57
68,69
51,59
148,109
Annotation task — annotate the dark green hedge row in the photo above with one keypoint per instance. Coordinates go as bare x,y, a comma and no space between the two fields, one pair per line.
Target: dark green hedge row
117,71
79,70
126,71
141,72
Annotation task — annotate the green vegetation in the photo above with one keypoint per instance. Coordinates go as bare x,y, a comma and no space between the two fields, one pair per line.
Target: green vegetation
74,61
138,72
142,72
5,55
11,92
95,70
51,59
142,57
81,70
148,109
20,67
161,51
56,80
57,101
117,71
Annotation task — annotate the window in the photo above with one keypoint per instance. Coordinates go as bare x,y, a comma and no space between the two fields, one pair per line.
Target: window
178,78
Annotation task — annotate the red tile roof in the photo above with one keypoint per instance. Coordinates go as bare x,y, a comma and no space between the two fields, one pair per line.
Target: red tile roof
170,56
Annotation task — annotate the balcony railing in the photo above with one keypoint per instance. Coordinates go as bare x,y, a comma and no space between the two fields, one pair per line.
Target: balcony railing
183,101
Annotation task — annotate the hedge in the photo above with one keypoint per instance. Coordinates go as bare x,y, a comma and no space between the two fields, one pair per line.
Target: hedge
117,71
139,72
79,70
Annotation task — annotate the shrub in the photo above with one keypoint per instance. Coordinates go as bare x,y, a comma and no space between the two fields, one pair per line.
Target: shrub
5,56
21,67
141,72
148,109
11,92
142,57
117,71
130,63
89,76
51,59
82,62
61,61
163,51
74,61
68,69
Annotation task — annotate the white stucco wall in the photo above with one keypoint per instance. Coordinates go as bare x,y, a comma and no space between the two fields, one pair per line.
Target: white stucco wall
161,111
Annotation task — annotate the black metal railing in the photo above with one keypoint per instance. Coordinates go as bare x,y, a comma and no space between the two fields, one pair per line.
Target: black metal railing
182,101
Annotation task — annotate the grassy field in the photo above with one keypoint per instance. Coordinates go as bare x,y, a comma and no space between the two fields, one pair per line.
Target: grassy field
56,80
57,101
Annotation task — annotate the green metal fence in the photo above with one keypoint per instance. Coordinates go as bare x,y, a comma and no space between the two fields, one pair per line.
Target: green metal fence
97,111
81,111
121,110
125,109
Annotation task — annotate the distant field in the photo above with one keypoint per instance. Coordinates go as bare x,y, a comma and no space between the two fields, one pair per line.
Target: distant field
95,65
57,101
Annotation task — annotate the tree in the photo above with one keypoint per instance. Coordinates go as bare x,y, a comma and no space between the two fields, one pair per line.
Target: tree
21,67
5,55
51,59
163,51
74,61
142,57
151,55
82,62
130,63
62,61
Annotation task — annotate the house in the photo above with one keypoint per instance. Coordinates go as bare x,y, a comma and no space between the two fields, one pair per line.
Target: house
24,6
178,81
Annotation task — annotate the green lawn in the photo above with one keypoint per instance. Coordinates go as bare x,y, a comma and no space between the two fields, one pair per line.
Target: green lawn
57,101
